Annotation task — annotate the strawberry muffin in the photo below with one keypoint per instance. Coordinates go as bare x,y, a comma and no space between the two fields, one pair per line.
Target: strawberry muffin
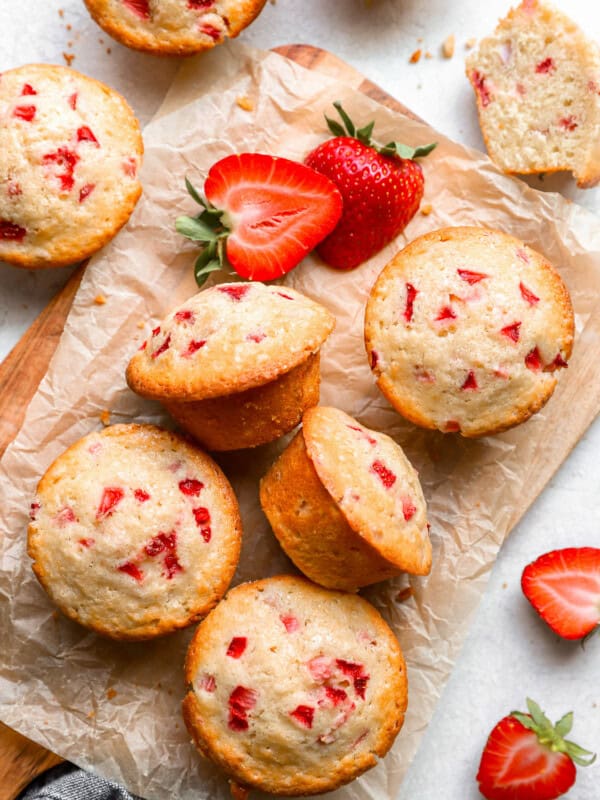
294,689
236,365
537,84
134,533
71,149
467,329
346,505
174,27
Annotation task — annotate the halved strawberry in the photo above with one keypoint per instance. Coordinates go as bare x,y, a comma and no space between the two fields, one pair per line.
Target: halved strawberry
528,758
261,214
564,588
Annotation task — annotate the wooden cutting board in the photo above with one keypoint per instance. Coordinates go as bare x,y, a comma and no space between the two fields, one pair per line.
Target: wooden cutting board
21,372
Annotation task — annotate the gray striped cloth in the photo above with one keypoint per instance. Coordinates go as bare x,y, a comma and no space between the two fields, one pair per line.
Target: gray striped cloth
67,782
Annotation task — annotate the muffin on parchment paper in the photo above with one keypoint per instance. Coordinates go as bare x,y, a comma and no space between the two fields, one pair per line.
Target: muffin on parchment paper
466,330
346,504
294,689
537,84
174,27
134,532
71,149
236,365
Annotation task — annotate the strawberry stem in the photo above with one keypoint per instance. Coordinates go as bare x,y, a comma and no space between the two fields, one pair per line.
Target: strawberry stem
394,149
552,736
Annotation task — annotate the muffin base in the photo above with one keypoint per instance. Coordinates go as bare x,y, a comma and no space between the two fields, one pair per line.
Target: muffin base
255,416
297,504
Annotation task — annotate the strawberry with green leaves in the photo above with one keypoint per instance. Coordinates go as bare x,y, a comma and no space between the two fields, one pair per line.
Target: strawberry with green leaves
261,215
528,758
564,588
382,187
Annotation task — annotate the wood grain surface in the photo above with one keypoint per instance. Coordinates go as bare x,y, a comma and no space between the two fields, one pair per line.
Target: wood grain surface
21,372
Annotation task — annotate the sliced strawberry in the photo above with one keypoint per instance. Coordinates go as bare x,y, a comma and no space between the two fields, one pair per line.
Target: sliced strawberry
564,588
527,758
266,213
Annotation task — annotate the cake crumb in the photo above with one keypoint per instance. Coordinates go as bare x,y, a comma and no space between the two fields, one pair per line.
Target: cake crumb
61,13
69,26
69,57
108,50
69,44
470,43
110,694
416,56
141,324
405,594
448,46
100,300
428,54
91,714
426,209
105,417
505,585
244,103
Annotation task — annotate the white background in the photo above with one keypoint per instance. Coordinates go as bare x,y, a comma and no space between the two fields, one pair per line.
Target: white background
509,653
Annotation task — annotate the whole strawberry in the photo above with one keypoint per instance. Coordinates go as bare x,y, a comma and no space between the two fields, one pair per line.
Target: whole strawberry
526,757
382,187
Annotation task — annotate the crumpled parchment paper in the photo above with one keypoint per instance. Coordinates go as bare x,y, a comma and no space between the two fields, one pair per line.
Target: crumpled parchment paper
115,708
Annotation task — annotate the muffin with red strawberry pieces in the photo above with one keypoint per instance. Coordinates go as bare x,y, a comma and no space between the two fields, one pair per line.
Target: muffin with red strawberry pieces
536,80
467,329
236,365
71,149
294,689
174,27
346,504
134,532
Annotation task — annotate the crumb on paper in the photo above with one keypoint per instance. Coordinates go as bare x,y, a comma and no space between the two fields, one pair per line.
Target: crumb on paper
426,209
68,26
105,417
100,299
505,585
470,43
244,103
69,44
416,56
419,39
91,714
69,58
428,54
61,13
405,594
108,51
111,694
448,46
101,41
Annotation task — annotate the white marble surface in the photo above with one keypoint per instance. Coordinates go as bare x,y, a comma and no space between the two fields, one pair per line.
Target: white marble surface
509,653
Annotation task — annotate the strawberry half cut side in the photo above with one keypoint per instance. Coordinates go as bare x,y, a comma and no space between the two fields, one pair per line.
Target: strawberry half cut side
528,758
564,588
261,215
381,185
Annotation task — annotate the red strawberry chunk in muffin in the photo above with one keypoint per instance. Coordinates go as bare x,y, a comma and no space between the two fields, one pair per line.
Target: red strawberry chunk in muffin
185,315
158,544
235,292
195,4
445,313
256,337
111,497
87,542
66,160
545,66
210,30
141,496
237,646
241,700
163,347
386,476
408,508
568,123
65,516
26,113
321,668
73,100
335,696
482,89
27,90
528,295
141,8
172,565
533,360
411,294
471,277
208,683
13,189
558,363
191,487
512,331
33,509
86,191
129,167
303,715
129,568
357,673
290,623
193,347
11,232
470,383
364,434
201,515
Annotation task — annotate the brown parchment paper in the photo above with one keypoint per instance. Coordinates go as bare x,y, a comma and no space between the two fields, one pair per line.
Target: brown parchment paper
115,708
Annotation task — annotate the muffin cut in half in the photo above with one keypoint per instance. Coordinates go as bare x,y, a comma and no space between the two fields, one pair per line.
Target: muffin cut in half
346,504
466,330
174,27
236,365
294,689
71,149
537,84
134,532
